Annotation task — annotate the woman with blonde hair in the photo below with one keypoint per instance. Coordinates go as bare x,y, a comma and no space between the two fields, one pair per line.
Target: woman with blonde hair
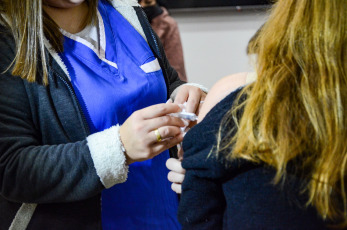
83,86
272,154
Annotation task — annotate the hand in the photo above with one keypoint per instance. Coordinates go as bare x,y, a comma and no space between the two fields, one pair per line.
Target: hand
176,175
193,95
138,132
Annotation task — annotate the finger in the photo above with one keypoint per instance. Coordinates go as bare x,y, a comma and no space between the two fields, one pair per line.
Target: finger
158,110
193,101
175,177
164,133
182,95
165,144
155,123
175,165
176,188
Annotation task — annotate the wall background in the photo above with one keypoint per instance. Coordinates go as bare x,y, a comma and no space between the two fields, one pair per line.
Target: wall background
215,41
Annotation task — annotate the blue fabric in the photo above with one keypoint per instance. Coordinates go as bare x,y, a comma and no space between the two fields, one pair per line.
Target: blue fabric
108,96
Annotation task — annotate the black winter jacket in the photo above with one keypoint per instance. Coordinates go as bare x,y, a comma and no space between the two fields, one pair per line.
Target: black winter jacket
238,194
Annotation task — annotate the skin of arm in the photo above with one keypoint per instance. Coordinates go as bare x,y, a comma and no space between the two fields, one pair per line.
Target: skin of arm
219,91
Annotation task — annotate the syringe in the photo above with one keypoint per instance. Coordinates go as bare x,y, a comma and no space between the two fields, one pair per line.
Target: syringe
185,115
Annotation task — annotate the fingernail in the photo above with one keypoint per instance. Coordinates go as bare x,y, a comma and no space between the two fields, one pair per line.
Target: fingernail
186,123
169,101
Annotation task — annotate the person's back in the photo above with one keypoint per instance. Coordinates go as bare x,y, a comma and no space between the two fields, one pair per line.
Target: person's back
239,194
272,155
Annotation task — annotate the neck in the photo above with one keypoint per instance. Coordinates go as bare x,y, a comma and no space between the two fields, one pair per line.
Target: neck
70,19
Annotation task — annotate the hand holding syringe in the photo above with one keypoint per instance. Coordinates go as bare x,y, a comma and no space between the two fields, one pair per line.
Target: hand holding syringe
187,118
185,115
176,174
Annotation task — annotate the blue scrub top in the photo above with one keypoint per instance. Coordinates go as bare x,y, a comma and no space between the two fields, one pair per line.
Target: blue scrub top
109,91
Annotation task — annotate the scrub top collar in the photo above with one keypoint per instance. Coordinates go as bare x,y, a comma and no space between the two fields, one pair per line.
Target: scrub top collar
99,51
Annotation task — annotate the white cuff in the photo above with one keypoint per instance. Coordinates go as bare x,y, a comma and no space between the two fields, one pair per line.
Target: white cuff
174,93
108,157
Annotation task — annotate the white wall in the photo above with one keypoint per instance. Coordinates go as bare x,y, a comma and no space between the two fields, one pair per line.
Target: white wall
215,41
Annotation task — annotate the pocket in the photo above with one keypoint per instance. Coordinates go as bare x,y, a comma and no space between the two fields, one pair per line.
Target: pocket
151,66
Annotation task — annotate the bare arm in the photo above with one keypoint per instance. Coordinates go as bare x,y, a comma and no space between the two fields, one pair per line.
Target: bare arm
220,90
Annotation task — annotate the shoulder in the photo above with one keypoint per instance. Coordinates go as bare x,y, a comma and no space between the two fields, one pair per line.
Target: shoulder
199,140
220,90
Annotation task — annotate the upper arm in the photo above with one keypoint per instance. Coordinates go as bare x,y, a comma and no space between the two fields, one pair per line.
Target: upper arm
39,162
29,170
202,202
220,90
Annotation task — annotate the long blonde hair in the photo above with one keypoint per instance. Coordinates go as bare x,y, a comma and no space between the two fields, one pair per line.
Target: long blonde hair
29,25
296,111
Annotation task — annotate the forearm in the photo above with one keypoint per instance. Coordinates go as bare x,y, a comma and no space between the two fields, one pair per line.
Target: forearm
35,168
60,173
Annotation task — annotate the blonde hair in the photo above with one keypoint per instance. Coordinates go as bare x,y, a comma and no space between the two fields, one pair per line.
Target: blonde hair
29,25
296,110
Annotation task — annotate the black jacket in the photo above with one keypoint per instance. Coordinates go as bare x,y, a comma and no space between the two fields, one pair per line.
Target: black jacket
47,155
222,194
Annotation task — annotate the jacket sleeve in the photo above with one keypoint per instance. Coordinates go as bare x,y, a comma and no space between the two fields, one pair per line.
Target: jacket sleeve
35,173
202,201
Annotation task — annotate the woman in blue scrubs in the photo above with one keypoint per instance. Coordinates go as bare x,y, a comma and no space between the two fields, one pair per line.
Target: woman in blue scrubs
111,67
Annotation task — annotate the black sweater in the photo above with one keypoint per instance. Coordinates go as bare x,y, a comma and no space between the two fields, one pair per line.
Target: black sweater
238,194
